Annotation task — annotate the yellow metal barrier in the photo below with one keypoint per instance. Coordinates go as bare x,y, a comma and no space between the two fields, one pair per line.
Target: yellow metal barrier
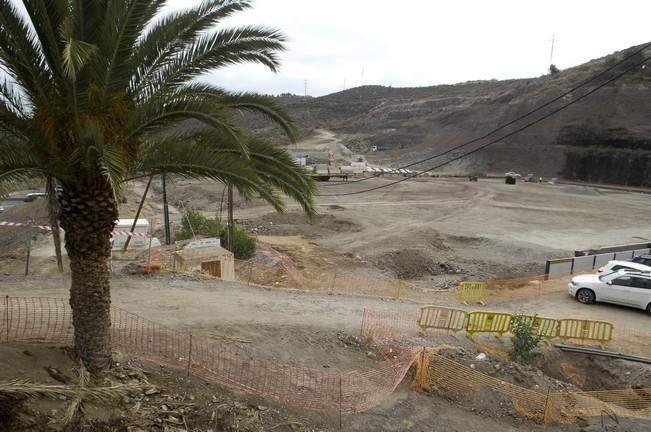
488,322
585,330
441,318
472,291
545,327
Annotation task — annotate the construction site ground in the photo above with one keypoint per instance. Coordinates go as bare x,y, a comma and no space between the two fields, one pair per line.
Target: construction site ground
431,232
323,331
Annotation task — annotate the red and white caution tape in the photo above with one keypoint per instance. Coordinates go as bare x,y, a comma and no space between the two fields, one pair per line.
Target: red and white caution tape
48,228
129,233
13,224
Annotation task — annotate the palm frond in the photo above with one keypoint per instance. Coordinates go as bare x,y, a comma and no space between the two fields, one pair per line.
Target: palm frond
213,51
47,19
162,115
123,24
24,389
255,103
171,33
20,53
76,55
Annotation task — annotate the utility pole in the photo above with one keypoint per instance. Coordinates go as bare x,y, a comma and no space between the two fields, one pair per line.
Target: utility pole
166,214
551,54
231,231
305,89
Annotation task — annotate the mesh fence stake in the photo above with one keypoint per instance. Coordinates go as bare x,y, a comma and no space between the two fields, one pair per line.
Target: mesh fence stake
332,284
7,316
546,407
341,418
189,355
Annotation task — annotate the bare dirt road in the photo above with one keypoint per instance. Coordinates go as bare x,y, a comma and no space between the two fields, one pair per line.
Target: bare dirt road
313,330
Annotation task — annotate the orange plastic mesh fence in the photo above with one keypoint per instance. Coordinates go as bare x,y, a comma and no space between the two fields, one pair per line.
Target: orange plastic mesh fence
439,373
48,320
284,275
459,381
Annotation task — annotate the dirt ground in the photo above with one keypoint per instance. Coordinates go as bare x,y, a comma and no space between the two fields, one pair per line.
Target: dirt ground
320,331
434,230
430,231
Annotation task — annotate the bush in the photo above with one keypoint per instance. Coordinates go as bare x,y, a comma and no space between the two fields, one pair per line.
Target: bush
524,338
193,221
243,245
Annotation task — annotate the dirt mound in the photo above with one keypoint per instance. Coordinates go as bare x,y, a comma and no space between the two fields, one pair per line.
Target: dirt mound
413,264
298,224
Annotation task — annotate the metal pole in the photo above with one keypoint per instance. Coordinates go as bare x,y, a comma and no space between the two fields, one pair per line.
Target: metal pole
231,222
151,230
28,242
52,210
250,272
7,316
332,284
166,214
189,356
187,217
135,221
546,406
341,392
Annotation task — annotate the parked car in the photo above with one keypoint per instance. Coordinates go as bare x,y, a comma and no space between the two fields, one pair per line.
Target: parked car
642,259
614,266
33,196
623,287
2,209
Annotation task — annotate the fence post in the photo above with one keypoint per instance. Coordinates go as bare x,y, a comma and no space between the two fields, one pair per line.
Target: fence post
189,355
7,316
546,407
250,272
332,284
28,241
341,392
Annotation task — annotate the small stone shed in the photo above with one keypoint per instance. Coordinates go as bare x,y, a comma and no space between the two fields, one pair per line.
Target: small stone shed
213,260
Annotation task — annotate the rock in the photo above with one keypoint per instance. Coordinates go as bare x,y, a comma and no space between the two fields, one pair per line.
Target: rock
481,356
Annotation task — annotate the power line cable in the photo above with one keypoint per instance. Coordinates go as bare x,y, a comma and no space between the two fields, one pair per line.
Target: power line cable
517,119
528,125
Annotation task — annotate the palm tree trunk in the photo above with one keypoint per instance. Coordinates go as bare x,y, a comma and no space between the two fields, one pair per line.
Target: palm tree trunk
88,218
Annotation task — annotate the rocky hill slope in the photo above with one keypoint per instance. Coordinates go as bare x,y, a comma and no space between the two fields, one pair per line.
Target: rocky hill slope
413,123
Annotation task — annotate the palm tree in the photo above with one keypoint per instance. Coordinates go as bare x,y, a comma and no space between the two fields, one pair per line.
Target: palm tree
98,91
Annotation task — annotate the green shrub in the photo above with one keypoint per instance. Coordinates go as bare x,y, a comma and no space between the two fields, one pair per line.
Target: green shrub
243,245
193,221
524,338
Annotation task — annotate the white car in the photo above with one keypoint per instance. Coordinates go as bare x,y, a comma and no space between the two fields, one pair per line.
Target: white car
627,288
614,266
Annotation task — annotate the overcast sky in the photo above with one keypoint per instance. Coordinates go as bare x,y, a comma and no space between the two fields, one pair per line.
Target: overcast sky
421,43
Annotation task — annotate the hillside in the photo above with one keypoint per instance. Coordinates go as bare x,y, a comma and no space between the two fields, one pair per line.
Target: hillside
412,123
